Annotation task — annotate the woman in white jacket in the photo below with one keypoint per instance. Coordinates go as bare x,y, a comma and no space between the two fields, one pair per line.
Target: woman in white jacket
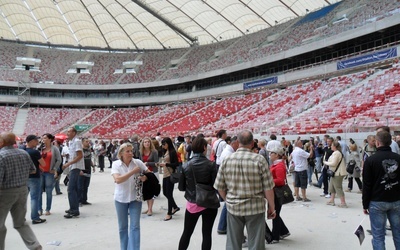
336,160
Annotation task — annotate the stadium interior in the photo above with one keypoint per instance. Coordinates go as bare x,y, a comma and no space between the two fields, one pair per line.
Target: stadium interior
332,69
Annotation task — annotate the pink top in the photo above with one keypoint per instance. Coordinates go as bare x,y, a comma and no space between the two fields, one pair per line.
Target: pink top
194,208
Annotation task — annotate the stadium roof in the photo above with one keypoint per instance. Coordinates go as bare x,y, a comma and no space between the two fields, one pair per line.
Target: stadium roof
143,24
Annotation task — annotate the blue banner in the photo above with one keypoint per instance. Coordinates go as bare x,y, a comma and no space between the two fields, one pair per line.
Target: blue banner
360,60
260,83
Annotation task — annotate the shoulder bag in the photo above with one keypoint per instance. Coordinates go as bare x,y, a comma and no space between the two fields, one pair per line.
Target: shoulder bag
284,193
206,195
351,166
331,173
174,176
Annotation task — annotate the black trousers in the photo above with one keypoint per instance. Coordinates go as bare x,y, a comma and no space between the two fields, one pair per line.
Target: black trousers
325,179
208,217
101,162
278,226
359,183
168,191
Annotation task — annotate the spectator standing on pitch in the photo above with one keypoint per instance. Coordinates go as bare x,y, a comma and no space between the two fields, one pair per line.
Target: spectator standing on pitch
84,177
127,174
381,191
244,181
96,149
65,156
337,165
393,145
110,149
228,150
169,164
198,170
219,146
35,190
149,156
75,166
354,157
300,159
272,144
57,176
15,167
102,153
323,178
52,157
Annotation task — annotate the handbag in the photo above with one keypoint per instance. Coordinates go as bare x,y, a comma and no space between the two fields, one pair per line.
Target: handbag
284,194
331,173
351,166
206,195
138,189
174,177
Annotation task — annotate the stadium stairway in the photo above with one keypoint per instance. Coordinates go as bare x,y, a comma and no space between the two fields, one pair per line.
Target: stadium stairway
20,121
335,97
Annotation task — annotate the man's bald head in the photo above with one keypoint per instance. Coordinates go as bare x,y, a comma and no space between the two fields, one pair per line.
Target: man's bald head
245,138
299,144
8,139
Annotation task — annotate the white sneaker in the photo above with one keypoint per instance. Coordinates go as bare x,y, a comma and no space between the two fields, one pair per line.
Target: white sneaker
328,196
322,194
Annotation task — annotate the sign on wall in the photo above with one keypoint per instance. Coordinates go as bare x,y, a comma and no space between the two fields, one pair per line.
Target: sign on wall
365,59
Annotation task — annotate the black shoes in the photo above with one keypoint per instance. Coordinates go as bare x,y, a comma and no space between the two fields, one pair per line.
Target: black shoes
38,221
175,210
221,232
86,203
71,215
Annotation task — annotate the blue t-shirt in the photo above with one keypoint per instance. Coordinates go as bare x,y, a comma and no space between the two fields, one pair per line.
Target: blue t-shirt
35,157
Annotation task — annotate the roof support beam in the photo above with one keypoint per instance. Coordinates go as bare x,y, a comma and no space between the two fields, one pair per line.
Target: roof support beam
206,3
91,16
168,23
193,20
255,13
144,26
289,8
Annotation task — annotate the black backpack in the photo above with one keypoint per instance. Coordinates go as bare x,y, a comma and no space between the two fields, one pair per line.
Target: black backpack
351,166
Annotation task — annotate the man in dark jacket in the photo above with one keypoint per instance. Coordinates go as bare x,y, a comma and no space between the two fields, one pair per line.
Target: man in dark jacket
381,191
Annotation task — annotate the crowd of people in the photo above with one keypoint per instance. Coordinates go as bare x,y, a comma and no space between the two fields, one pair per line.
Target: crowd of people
243,172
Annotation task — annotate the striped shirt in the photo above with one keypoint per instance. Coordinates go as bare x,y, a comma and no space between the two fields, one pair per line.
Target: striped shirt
244,176
15,167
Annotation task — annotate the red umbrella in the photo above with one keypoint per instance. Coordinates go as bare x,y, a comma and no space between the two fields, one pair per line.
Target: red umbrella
61,137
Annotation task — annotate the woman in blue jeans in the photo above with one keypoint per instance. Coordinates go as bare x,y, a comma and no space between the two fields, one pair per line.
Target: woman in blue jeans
52,157
127,195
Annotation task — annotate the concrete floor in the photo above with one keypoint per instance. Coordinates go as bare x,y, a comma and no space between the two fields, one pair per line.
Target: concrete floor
312,225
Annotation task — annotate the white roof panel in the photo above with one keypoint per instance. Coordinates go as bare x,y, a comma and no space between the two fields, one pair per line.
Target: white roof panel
144,24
